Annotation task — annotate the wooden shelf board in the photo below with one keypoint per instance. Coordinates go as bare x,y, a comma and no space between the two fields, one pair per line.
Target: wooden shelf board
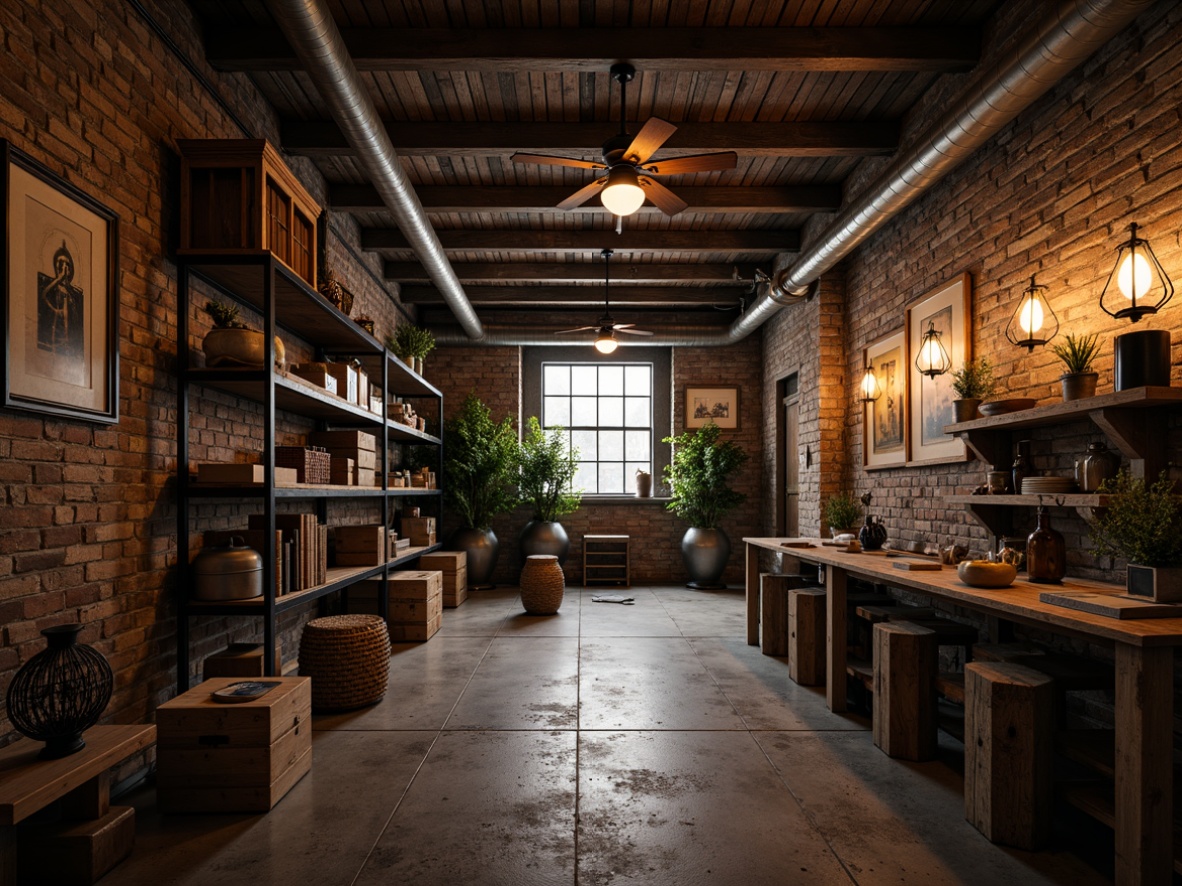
1050,499
1054,413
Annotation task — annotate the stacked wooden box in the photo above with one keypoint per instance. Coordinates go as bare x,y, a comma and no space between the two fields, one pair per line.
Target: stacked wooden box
415,600
241,660
420,530
356,445
370,545
244,757
453,566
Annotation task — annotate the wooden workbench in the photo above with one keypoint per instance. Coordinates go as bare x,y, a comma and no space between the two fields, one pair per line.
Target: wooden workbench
1144,653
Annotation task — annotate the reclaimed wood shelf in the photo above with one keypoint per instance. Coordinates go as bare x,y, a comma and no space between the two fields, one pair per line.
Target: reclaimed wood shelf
996,512
306,491
606,561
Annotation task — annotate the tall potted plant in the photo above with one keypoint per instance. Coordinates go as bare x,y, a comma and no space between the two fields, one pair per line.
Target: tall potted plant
972,383
699,477
479,456
1142,524
546,467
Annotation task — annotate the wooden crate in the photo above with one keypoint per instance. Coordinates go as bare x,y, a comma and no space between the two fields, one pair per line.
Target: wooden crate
342,471
415,633
240,660
316,374
415,584
237,195
311,465
334,440
420,530
346,377
447,562
244,757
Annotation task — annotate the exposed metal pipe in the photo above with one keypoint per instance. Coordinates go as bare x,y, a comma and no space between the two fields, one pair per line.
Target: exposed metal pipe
314,36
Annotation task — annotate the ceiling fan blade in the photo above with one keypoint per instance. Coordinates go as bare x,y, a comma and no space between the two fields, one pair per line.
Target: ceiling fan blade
547,160
579,329
633,331
582,195
648,141
664,199
694,163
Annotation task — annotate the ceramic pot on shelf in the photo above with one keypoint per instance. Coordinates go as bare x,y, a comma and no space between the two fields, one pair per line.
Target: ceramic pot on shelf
966,410
1097,465
1078,385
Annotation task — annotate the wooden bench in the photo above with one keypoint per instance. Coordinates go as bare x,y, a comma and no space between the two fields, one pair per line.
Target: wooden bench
93,835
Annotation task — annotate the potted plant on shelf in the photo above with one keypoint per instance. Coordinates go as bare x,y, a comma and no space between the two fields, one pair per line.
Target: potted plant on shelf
546,467
698,477
972,383
1142,524
1078,353
842,514
233,343
411,344
479,456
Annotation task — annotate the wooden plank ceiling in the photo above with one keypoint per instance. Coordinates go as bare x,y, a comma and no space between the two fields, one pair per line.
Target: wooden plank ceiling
803,91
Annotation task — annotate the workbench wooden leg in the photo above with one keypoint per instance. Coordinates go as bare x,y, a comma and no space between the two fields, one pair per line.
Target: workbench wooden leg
835,645
1144,764
8,860
752,595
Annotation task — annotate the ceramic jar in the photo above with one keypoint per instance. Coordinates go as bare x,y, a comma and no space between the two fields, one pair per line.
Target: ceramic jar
1097,465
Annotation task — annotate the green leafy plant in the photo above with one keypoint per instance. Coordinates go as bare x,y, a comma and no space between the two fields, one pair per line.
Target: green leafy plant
409,340
224,316
1078,352
546,468
842,511
1139,524
974,380
479,462
699,476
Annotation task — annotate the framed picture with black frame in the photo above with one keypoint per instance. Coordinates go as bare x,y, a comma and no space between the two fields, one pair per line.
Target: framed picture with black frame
60,294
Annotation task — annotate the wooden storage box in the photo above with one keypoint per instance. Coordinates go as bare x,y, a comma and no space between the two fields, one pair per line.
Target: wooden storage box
420,530
454,568
316,373
342,471
237,195
332,440
415,633
415,599
361,545
240,660
311,465
213,757
243,474
366,477
346,377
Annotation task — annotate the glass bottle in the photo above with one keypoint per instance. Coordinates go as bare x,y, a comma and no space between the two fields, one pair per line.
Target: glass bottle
1046,552
1022,466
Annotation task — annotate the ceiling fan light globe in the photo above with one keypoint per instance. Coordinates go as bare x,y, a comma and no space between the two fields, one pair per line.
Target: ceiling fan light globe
606,342
622,195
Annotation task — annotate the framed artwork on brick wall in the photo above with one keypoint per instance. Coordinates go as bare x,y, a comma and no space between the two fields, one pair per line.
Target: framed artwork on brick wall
884,424
929,400
61,302
718,405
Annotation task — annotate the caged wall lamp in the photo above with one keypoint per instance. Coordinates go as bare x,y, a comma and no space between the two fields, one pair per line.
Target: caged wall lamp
933,357
1034,323
1143,287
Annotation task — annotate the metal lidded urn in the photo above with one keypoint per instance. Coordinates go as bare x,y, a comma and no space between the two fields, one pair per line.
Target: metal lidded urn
60,692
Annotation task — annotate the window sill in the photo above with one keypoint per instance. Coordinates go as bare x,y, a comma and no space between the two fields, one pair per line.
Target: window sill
623,500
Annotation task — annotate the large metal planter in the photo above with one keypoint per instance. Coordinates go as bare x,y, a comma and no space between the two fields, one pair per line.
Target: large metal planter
705,552
544,537
482,547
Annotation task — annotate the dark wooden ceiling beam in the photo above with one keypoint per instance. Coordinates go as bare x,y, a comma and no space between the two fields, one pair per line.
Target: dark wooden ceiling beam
322,138
623,272
495,51
527,241
581,296
440,199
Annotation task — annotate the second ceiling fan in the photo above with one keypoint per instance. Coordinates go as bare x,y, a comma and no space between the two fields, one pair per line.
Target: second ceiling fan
606,327
627,159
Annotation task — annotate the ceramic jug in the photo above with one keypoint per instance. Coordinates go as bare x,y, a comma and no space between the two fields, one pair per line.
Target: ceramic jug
1095,467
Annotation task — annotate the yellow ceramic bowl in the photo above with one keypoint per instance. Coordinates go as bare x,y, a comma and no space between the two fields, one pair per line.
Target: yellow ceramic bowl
984,574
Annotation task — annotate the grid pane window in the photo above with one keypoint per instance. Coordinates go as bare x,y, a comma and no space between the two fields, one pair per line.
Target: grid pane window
609,410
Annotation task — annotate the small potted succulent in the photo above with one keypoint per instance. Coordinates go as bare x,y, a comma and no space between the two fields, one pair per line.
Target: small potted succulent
842,514
972,383
1078,353
1142,525
233,343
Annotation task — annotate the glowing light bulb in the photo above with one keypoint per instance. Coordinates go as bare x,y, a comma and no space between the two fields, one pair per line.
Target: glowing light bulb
1135,277
870,389
1030,315
622,195
606,342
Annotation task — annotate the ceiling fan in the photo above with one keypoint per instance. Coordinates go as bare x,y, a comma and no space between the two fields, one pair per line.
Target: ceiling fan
627,161
605,339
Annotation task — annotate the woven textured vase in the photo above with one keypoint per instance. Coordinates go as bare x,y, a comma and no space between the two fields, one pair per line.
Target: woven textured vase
60,692
348,659
542,584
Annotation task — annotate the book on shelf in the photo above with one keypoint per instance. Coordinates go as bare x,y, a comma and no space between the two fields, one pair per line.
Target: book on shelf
308,544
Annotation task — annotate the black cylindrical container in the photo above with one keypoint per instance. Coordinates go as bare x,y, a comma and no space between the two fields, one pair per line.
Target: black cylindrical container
1142,358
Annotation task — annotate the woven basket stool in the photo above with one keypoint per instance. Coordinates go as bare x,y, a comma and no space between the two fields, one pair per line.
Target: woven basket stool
542,584
348,659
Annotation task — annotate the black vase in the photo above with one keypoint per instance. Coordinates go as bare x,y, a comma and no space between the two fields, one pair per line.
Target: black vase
873,535
60,692
1141,358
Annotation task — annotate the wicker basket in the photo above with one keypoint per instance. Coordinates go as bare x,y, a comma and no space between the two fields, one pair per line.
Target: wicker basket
542,584
348,659
313,464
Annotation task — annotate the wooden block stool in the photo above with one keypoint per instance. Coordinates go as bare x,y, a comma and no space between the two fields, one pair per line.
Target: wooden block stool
905,690
806,632
1007,752
348,659
773,611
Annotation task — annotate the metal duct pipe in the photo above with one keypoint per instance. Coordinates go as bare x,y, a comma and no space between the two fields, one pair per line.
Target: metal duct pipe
1070,34
313,35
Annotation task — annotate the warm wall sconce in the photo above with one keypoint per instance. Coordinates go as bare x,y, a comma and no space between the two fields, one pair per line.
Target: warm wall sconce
1142,285
1034,323
871,390
933,358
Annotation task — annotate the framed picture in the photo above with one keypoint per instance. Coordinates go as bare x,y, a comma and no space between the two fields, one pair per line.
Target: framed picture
884,425
718,405
61,304
929,400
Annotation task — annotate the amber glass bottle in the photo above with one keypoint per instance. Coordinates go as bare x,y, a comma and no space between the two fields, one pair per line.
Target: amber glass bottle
1046,552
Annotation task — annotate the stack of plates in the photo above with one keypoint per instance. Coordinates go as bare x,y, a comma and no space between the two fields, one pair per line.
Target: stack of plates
1043,485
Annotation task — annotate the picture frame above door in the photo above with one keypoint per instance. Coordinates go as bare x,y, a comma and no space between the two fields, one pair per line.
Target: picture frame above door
947,309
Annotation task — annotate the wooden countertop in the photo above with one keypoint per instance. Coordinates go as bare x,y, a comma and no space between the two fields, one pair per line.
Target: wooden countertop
1018,602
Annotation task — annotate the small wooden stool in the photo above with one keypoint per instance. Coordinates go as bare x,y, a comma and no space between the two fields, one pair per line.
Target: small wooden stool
348,659
1007,752
905,690
806,632
773,611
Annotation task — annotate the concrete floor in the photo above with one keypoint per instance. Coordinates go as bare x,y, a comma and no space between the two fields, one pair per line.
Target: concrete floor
608,744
